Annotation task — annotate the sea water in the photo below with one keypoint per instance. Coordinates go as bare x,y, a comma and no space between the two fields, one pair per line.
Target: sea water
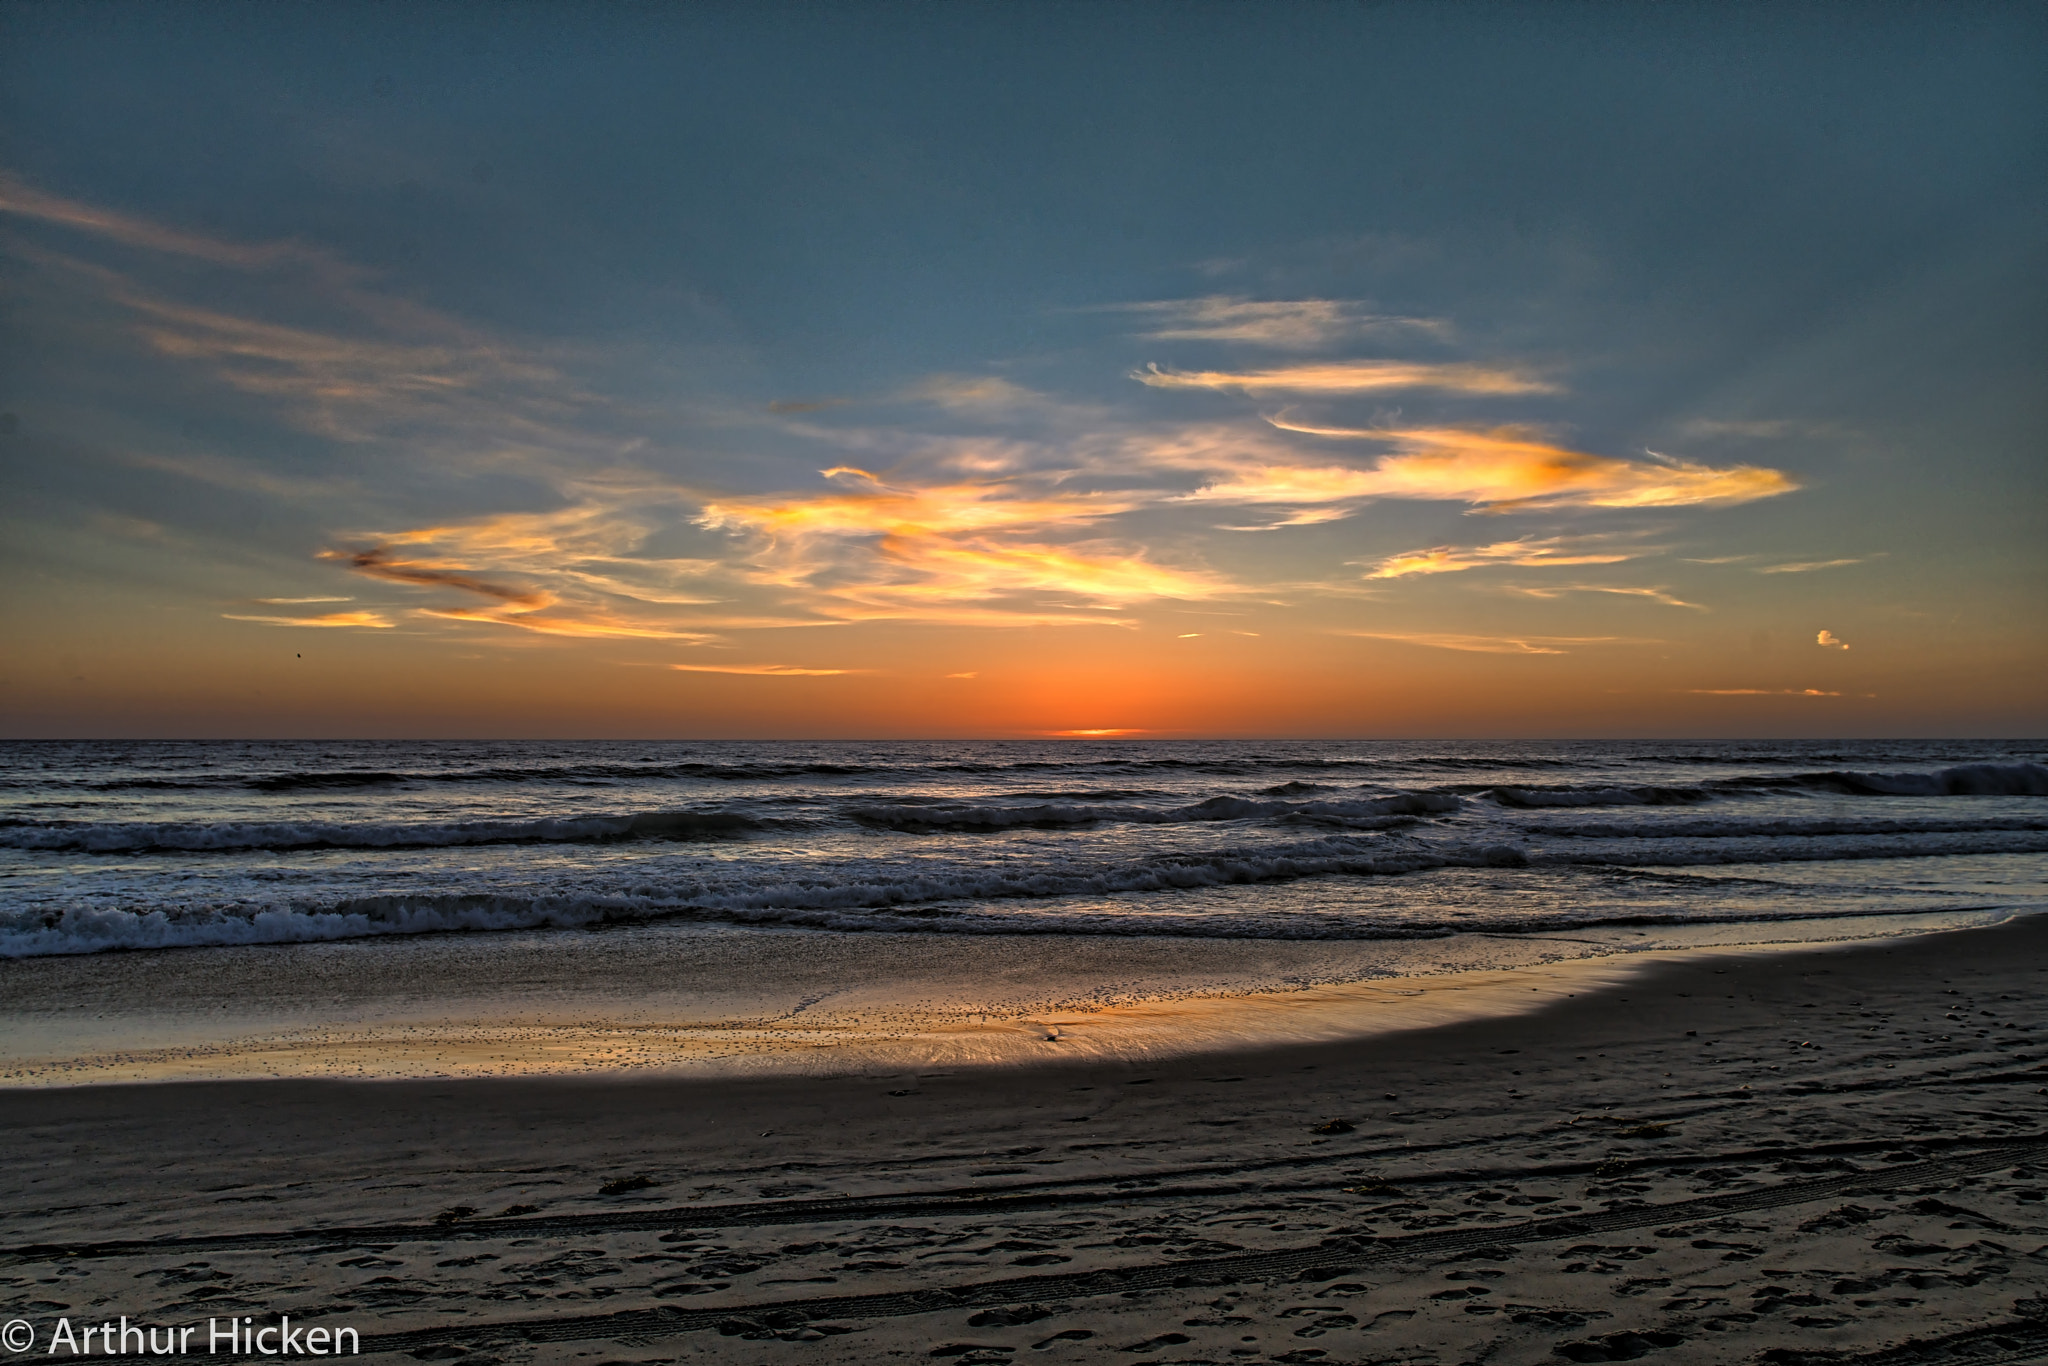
205,845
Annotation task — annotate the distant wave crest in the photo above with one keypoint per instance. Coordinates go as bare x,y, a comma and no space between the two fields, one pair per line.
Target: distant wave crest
121,837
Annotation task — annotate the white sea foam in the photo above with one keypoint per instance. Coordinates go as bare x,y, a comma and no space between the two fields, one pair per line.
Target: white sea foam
160,846
956,816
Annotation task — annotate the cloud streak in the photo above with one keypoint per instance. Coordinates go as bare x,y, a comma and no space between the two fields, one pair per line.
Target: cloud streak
1807,566
526,608
1069,514
1492,645
1760,692
762,670
1349,377
361,618
23,200
1496,470
1527,552
1560,589
1287,324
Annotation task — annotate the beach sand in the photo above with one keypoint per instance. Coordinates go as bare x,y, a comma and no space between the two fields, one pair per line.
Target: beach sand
1713,1156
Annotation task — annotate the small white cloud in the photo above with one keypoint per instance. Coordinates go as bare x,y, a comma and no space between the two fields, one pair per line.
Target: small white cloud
1827,640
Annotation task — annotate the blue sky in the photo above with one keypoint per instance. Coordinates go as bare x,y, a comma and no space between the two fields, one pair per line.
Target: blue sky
1554,368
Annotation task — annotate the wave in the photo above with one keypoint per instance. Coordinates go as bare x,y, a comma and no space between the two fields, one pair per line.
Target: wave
228,836
1963,780
913,897
1782,828
581,773
824,899
1599,796
602,772
98,930
1382,812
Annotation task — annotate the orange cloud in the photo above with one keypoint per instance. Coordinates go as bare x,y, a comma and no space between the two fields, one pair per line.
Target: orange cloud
524,608
968,552
1444,559
1349,377
369,619
871,507
1760,692
1502,470
951,569
1097,733
761,670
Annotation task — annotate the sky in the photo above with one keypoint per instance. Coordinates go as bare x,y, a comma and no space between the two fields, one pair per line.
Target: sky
1014,370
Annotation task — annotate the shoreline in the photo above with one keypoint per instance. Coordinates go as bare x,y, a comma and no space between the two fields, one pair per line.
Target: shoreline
738,1001
1885,1179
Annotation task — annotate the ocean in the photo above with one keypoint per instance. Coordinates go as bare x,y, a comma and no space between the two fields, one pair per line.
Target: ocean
197,846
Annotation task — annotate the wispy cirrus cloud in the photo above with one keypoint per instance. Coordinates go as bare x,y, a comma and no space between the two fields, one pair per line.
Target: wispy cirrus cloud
970,393
1019,532
1493,645
1558,590
355,387
1525,552
1350,377
1071,514
1770,429
1808,566
1760,692
408,558
1288,324
878,547
762,670
1496,470
360,618
24,200
374,365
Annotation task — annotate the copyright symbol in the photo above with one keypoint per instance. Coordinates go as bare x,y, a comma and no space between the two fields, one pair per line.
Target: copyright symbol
18,1336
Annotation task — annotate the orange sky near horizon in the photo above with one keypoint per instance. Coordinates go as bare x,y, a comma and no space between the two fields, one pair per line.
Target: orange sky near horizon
532,390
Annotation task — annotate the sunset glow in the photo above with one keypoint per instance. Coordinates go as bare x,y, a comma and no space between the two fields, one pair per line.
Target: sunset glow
437,429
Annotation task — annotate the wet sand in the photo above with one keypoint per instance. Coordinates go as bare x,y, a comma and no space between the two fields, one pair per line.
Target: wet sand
1708,1157
695,1000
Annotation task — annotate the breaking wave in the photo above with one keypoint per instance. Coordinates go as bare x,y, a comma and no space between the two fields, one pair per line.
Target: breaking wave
1382,812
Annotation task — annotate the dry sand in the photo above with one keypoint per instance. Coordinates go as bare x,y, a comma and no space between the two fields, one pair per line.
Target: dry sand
1829,1155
